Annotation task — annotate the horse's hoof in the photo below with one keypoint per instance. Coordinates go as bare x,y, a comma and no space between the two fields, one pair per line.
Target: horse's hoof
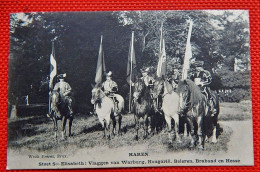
201,147
179,141
136,138
206,140
191,146
214,141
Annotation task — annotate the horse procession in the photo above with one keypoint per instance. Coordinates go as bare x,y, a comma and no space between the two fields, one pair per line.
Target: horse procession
186,106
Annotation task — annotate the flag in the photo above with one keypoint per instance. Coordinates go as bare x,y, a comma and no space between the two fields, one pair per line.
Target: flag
53,66
188,54
131,63
162,66
100,64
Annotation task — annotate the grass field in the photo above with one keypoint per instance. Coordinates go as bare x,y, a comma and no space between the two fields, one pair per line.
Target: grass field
36,134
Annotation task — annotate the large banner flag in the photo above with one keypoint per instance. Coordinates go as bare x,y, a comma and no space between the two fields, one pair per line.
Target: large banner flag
188,54
100,64
53,66
131,62
162,66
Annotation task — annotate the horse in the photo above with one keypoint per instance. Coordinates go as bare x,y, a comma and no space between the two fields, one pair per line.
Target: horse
60,111
170,106
105,109
141,106
193,105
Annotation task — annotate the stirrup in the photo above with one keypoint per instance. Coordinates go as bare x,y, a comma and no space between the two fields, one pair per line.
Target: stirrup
48,115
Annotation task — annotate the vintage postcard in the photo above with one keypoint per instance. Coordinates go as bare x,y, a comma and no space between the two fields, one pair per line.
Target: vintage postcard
129,89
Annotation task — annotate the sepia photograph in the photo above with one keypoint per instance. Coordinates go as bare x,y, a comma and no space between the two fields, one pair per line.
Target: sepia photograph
129,89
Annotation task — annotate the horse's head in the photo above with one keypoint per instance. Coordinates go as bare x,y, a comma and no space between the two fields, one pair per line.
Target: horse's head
97,95
158,88
184,91
139,88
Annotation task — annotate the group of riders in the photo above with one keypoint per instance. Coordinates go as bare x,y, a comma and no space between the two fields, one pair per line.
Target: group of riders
198,75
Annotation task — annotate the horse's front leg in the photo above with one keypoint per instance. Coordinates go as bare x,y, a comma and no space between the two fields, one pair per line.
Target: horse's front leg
113,120
70,124
168,120
55,123
105,128
146,125
64,121
176,127
214,136
200,133
137,126
119,120
109,128
192,132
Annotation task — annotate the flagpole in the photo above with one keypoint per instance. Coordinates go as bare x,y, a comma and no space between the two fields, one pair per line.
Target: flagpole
131,68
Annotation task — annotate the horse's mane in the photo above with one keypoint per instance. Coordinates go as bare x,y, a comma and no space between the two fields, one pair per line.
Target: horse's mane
195,93
168,87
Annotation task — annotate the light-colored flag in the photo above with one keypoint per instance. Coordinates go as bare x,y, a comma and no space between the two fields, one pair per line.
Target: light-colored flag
53,66
188,54
131,62
162,66
100,64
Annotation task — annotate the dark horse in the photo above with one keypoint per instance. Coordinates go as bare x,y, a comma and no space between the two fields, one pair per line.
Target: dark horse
60,111
142,106
193,105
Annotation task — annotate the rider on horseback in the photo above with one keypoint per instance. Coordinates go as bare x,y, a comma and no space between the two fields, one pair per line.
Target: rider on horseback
202,78
64,90
148,80
110,87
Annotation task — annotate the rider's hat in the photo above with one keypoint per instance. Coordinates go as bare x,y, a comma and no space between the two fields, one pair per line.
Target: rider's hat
109,74
198,64
145,70
62,76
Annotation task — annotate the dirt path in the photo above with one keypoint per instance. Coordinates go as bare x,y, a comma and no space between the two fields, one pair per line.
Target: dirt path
241,140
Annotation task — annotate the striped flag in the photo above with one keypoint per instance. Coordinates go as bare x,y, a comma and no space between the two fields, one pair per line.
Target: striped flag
131,62
100,64
53,66
162,66
188,54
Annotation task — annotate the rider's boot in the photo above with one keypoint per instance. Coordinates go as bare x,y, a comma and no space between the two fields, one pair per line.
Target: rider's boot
71,111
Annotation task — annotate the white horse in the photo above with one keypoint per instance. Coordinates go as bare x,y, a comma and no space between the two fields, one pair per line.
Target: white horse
107,111
170,106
